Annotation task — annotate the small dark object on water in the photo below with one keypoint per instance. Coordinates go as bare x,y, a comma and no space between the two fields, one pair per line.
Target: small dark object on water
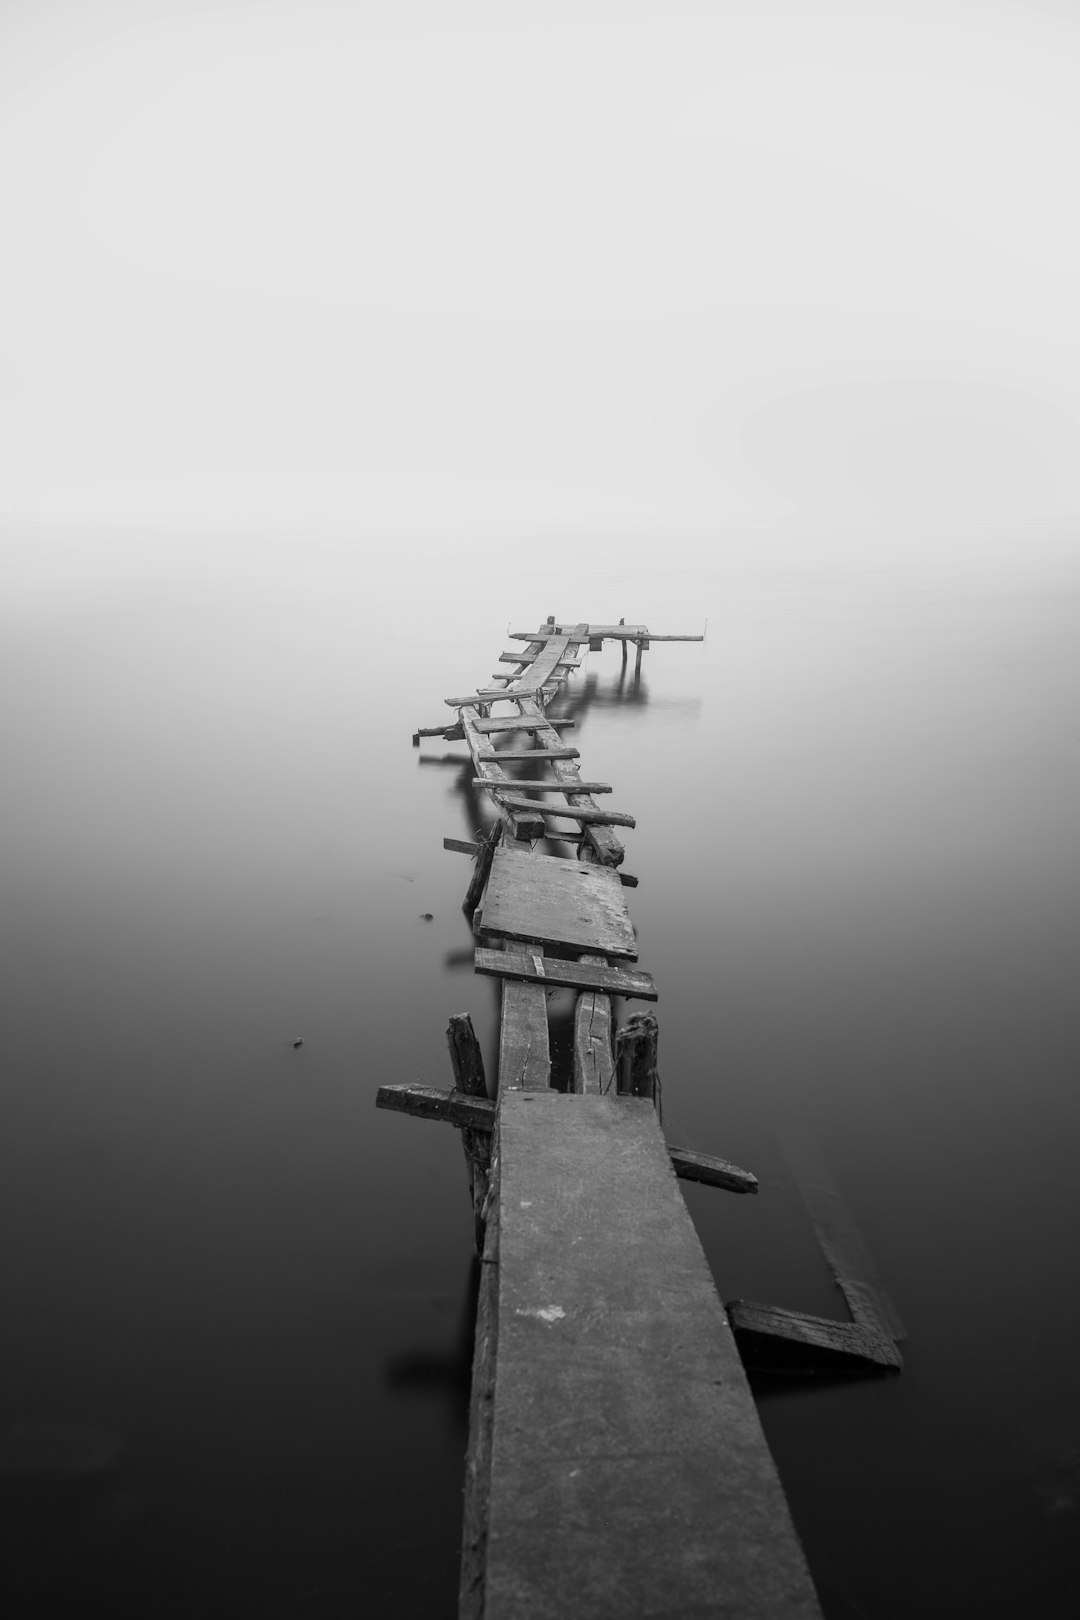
427,916
299,1041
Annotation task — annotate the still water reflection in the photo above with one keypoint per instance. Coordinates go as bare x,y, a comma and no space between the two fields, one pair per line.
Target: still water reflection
235,1365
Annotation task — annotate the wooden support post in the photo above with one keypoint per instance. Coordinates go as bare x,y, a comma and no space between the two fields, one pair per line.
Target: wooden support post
467,1061
635,1057
623,621
484,853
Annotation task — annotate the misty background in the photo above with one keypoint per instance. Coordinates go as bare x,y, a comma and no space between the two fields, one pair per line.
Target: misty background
334,341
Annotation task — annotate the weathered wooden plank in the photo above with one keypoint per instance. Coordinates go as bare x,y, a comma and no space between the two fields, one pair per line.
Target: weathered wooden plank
561,974
525,786
599,837
528,825
590,814
629,1472
523,658
541,754
542,897
461,846
836,1230
500,694
451,733
543,666
771,1337
692,1166
523,722
429,1102
593,1069
524,1047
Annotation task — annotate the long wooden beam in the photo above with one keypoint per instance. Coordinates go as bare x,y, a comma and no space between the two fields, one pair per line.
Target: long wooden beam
560,973
523,785
479,1114
572,812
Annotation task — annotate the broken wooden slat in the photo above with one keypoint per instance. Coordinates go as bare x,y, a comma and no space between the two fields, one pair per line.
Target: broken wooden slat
541,754
593,1068
525,786
561,974
429,1102
450,733
769,1336
499,694
543,897
569,812
692,1166
516,722
461,846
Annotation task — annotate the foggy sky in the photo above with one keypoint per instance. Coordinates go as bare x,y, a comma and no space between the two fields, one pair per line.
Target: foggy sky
457,266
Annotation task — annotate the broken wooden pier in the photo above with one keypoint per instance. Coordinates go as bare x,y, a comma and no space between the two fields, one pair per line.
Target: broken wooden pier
616,1463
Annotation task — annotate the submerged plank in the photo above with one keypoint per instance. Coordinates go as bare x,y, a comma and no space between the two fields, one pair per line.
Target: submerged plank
561,974
841,1242
771,1337
629,1474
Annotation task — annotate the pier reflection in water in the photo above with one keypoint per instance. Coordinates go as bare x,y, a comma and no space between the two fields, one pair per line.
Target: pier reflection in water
856,811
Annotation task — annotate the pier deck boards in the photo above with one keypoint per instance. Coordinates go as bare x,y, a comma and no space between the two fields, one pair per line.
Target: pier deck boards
562,902
616,1464
628,1470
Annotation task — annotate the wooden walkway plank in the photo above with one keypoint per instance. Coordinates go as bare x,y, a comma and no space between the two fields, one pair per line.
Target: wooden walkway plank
564,902
562,974
432,1102
528,824
593,1070
601,840
628,1471
587,814
525,785
524,1048
521,722
540,754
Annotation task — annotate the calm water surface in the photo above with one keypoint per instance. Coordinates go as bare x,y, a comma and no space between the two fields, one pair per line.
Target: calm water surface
238,1299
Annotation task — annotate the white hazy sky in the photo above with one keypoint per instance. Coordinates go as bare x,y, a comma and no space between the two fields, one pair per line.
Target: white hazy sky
290,263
